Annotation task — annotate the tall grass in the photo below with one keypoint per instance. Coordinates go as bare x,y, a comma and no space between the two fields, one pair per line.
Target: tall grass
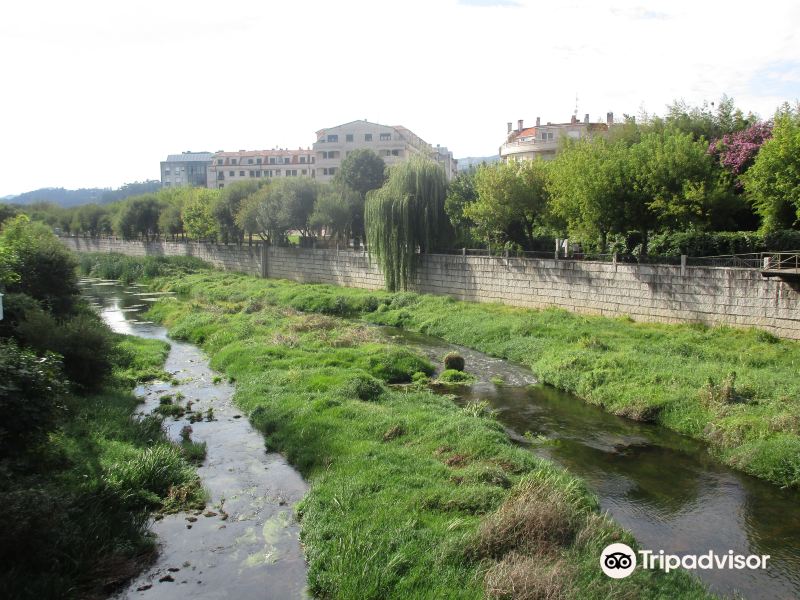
129,269
652,372
405,486
74,512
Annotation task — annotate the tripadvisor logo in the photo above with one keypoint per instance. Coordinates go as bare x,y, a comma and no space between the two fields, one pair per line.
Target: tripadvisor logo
619,560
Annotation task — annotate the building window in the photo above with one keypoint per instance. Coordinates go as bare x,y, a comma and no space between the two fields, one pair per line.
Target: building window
302,160
241,173
232,173
166,184
249,161
312,159
304,172
219,161
272,160
385,152
252,173
348,137
166,171
333,138
367,137
395,152
221,185
258,161
287,160
385,137
258,173
233,161
291,172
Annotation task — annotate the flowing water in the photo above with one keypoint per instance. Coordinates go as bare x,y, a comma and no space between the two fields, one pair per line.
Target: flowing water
245,544
663,487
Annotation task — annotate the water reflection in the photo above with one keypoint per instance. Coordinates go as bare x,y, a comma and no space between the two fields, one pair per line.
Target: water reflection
663,487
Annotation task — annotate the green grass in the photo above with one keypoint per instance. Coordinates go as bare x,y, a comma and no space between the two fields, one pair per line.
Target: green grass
406,488
74,516
662,373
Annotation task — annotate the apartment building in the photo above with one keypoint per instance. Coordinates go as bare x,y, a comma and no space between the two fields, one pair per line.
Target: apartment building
229,167
392,144
187,168
543,141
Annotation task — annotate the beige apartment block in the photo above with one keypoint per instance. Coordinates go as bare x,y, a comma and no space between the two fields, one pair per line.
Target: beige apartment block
392,143
230,167
543,141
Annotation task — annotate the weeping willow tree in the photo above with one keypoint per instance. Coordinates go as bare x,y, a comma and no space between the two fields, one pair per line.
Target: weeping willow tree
404,216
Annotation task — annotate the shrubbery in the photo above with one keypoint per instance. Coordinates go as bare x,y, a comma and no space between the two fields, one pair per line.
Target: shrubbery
31,394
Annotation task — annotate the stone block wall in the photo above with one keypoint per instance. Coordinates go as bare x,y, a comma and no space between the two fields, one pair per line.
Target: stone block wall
658,293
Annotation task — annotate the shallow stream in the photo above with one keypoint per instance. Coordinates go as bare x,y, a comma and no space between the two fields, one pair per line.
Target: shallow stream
663,487
245,544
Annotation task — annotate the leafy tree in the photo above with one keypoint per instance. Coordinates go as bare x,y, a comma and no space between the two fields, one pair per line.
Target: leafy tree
197,216
363,171
295,197
681,181
38,264
267,210
589,187
336,210
91,219
6,212
247,216
512,199
139,217
460,193
773,182
706,121
405,214
170,221
227,206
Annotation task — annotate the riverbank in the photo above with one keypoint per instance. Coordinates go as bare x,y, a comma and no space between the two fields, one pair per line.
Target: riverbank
75,509
411,496
735,389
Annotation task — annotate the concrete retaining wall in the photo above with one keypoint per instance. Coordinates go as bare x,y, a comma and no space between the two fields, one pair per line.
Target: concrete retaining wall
659,293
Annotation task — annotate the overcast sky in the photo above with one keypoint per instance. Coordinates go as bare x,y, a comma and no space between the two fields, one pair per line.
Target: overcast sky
97,93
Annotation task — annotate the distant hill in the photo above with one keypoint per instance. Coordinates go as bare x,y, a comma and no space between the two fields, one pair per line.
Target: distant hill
464,164
66,198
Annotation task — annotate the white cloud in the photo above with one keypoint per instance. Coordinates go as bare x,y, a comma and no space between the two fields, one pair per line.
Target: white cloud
97,93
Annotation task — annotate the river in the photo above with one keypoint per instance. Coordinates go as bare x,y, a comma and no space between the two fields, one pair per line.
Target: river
665,488
245,544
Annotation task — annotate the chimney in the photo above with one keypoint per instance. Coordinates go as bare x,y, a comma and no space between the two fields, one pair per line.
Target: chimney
610,118
509,126
538,121
519,125
586,118
573,120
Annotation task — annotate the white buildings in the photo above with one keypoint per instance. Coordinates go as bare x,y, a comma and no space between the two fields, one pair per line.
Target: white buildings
392,144
229,167
543,141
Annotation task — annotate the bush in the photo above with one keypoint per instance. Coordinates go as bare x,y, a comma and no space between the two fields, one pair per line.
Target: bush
398,366
31,390
453,376
453,361
45,267
695,243
86,344
364,387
